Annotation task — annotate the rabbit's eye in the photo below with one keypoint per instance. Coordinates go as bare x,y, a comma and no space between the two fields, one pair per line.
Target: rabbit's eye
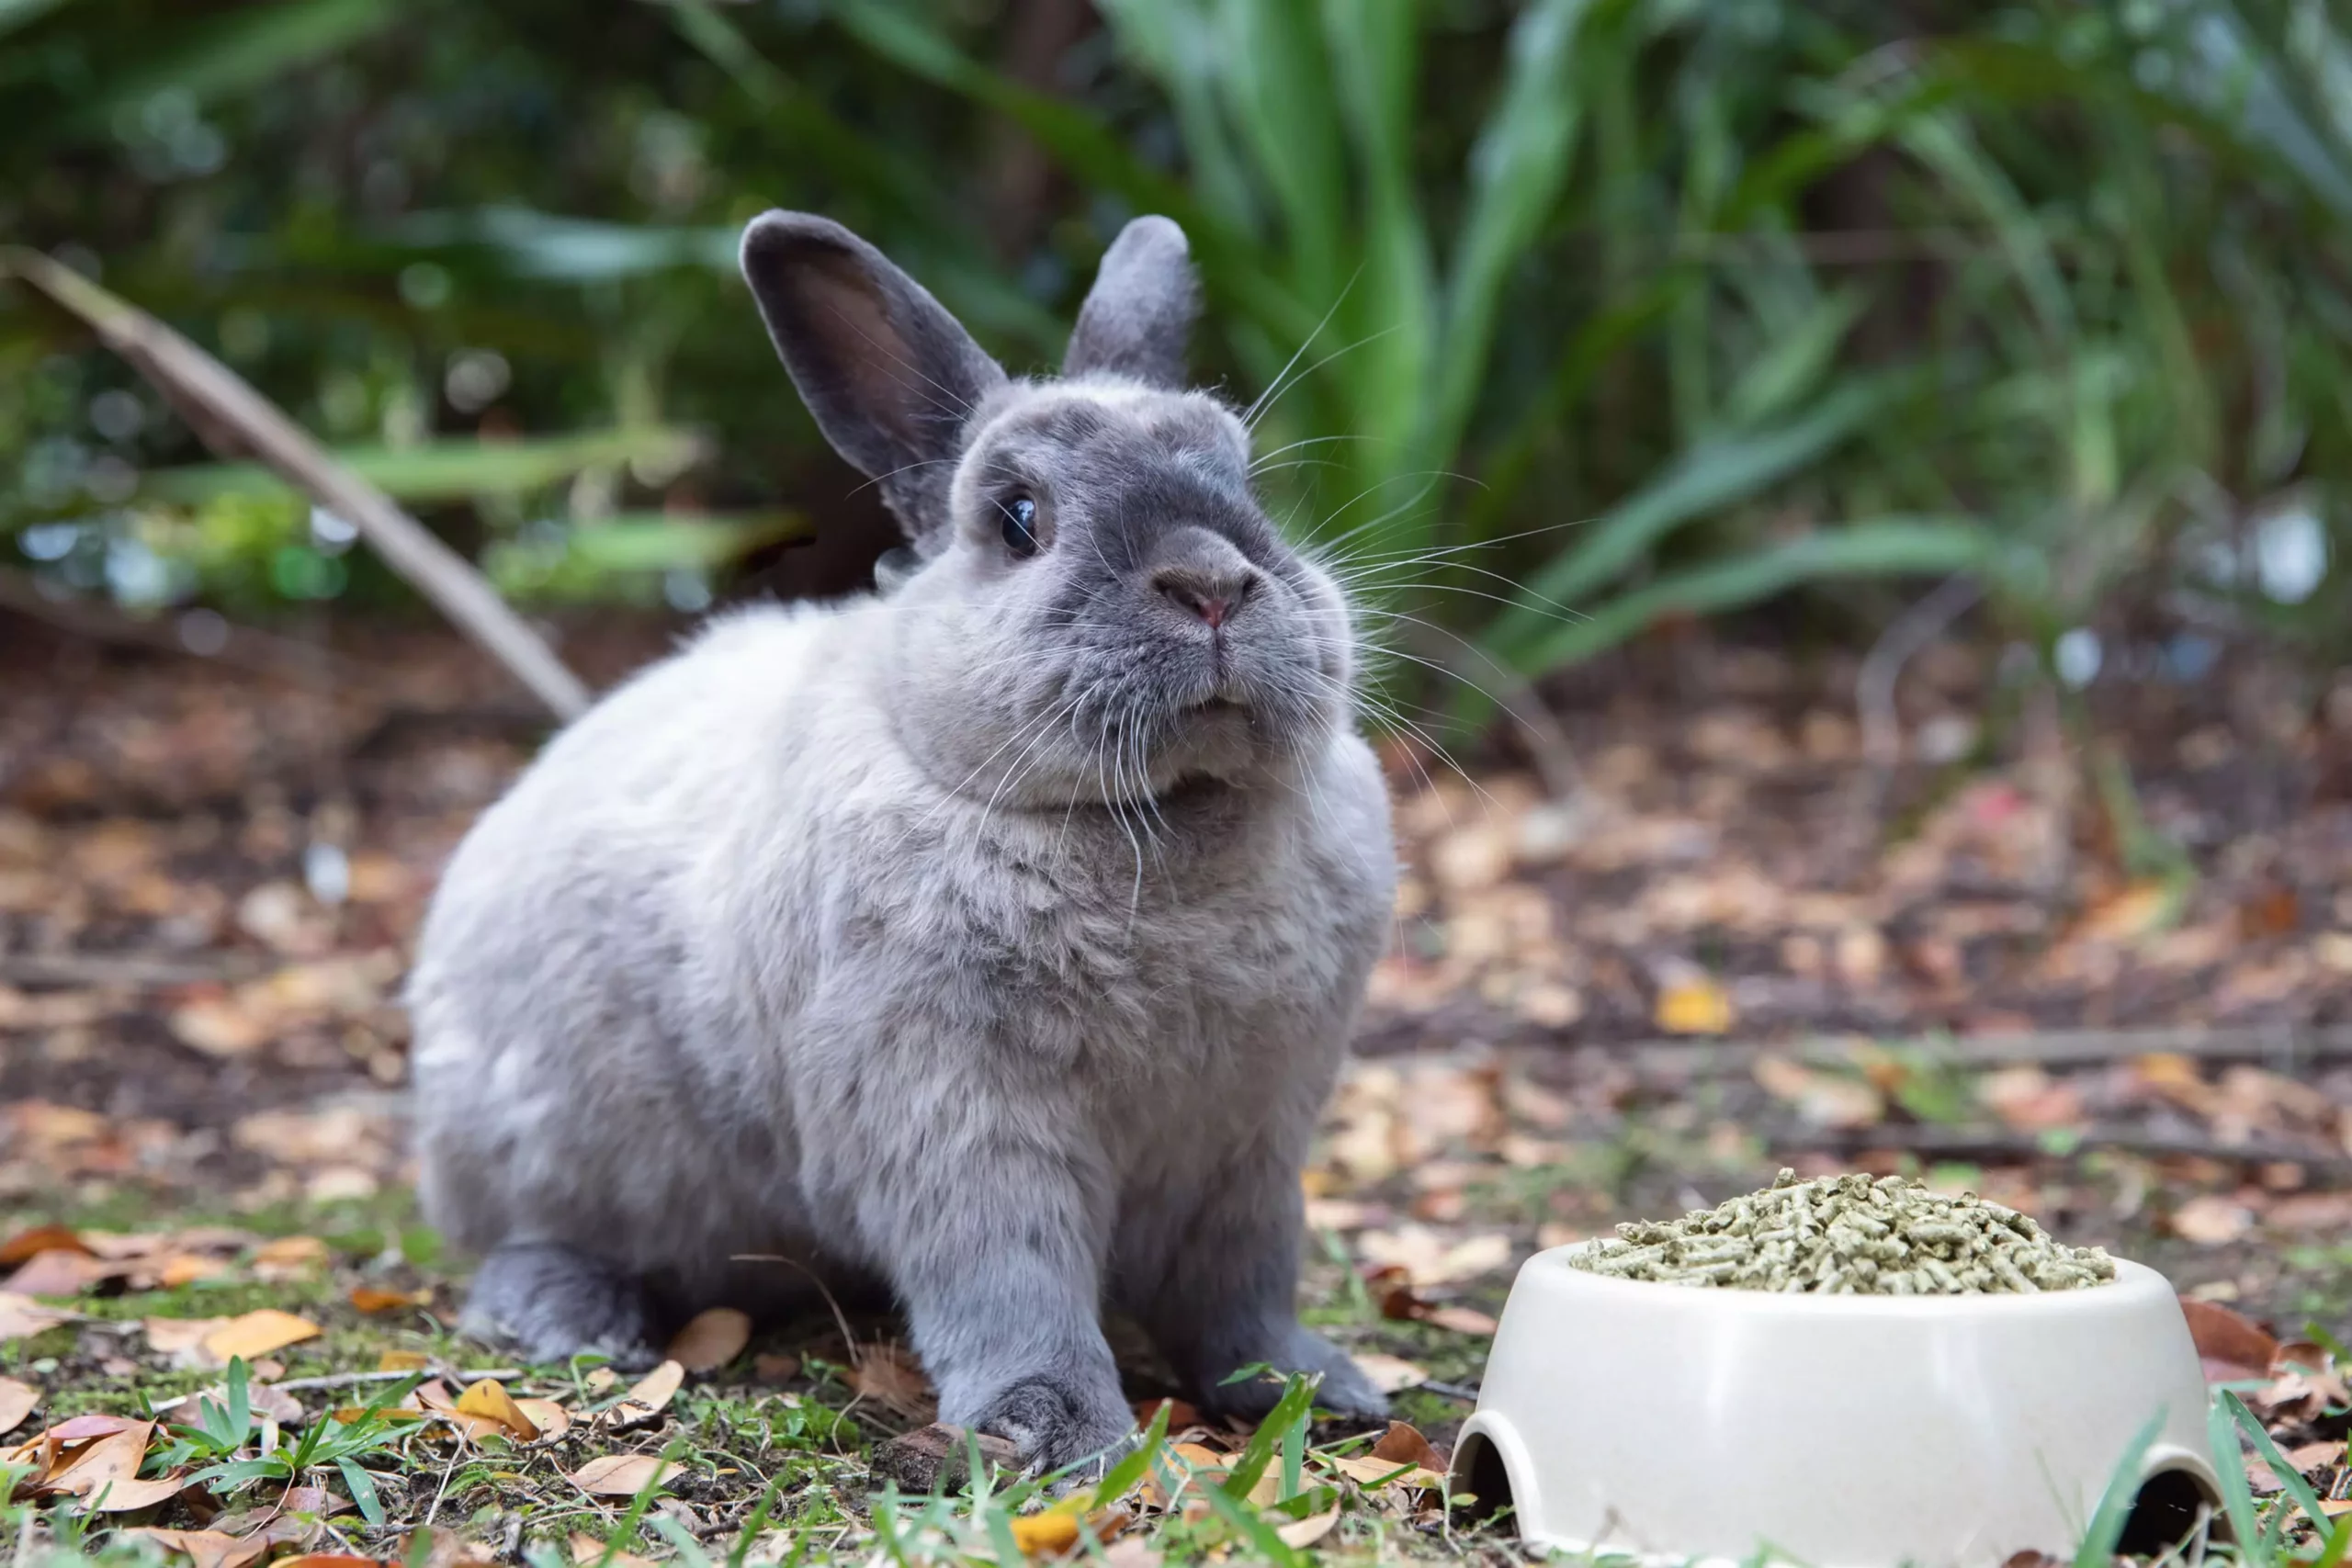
1020,525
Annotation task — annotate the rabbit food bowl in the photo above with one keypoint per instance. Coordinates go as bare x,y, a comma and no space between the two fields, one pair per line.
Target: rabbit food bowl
1677,1424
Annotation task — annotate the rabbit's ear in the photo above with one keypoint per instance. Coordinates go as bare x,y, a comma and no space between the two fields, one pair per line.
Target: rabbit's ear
1141,310
891,377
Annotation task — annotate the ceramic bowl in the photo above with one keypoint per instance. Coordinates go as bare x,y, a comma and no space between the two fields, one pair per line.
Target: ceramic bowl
1678,1425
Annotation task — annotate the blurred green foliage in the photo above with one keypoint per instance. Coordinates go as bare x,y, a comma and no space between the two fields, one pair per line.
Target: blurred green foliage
1561,317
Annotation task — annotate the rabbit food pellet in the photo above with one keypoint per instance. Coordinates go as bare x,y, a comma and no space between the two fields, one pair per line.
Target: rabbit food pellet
1850,1235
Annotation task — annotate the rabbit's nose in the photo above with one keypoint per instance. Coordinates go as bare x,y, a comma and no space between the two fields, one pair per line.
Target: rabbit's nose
1209,594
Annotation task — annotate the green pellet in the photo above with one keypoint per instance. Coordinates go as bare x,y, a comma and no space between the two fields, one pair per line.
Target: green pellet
1850,1235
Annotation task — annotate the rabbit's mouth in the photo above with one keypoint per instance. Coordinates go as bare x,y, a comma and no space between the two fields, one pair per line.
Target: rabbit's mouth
1208,706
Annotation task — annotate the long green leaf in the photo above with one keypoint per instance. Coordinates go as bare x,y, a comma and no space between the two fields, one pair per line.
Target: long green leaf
448,470
1879,547
1517,168
1297,1401
241,50
1715,474
2290,1478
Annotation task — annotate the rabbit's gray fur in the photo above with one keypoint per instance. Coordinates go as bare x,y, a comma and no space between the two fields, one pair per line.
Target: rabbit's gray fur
997,939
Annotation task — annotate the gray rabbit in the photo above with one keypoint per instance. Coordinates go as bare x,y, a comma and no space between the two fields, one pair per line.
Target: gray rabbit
996,938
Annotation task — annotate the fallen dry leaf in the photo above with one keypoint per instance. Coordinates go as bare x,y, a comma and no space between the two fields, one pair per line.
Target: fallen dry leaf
891,1378
327,1559
17,1401
1054,1531
2210,1220
775,1367
1460,1319
289,1256
178,1336
588,1549
259,1333
489,1400
27,1245
81,1429
1428,1258
1310,1529
431,1396
620,1475
1694,1007
1402,1444
2222,1335
1389,1374
711,1338
407,1361
1366,1471
372,1300
650,1395
59,1272
552,1419
207,1549
22,1315
105,1475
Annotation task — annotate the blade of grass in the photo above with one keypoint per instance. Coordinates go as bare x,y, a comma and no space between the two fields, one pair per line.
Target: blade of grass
1293,1408
2105,1530
2290,1478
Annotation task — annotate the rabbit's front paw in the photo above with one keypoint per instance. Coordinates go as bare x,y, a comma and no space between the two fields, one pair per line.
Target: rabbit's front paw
549,1302
1054,1423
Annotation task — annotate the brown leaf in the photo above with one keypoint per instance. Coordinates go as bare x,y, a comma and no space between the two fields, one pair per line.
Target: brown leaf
289,1256
1402,1444
490,1400
1461,1320
182,1338
26,1245
17,1401
207,1549
588,1549
327,1559
81,1429
2222,1335
436,1398
620,1475
891,1377
1056,1531
407,1361
711,1338
21,1316
59,1272
1181,1413
1389,1374
650,1396
1366,1471
259,1333
2211,1220
552,1419
108,1464
1310,1529
779,1367
371,1299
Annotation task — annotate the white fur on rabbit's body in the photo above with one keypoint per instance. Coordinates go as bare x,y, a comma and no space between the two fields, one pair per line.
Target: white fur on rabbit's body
847,935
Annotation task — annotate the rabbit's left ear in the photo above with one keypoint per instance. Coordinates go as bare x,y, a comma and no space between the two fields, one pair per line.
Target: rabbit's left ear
1141,310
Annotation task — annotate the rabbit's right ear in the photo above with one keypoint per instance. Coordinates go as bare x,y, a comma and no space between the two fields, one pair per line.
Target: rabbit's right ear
891,377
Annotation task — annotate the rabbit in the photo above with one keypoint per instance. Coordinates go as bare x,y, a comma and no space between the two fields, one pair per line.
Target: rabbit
995,938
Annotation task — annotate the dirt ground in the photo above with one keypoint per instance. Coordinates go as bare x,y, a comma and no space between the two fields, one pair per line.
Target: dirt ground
1741,928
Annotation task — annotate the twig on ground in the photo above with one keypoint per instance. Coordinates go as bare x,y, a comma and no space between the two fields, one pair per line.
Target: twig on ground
344,1380
1977,1142
1874,693
1548,745
2284,1047
232,418
132,969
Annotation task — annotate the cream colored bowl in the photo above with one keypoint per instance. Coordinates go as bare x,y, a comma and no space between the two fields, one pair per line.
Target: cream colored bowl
1679,1424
